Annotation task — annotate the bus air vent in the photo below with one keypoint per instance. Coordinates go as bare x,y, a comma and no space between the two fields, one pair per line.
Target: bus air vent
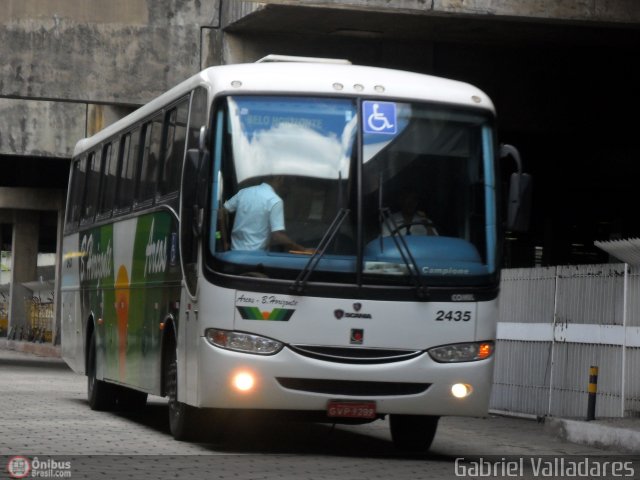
352,388
355,355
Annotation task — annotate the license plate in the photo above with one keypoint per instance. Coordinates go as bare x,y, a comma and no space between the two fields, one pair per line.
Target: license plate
342,409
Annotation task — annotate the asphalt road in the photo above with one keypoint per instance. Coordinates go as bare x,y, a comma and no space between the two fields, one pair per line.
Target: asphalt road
44,417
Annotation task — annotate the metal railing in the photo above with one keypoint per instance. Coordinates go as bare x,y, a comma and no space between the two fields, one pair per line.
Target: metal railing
40,319
555,323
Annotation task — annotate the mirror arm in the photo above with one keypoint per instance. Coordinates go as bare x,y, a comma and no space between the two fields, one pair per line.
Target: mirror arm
519,201
509,150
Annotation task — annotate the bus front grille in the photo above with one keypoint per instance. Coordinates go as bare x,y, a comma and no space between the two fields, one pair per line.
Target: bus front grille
352,388
354,354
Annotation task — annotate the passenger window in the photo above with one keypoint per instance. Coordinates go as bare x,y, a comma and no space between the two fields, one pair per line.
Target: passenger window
93,187
150,160
174,148
125,189
76,193
110,179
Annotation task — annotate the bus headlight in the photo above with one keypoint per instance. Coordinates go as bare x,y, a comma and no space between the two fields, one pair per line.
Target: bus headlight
462,352
242,342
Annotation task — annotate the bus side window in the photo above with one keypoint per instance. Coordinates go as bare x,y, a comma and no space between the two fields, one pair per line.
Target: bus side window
110,178
76,193
94,167
152,133
176,128
125,189
122,183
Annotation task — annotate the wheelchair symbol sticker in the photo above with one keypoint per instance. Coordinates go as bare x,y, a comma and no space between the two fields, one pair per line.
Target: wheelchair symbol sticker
380,117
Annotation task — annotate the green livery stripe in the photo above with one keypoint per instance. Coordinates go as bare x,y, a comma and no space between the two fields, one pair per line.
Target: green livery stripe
250,313
281,314
254,313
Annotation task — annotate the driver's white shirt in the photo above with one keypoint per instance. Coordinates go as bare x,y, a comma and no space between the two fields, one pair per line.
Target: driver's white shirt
259,211
420,225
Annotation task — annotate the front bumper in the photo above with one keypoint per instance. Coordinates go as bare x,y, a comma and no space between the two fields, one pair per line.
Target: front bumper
217,367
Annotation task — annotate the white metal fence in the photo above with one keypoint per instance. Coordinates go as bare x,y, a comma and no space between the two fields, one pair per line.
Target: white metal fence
555,323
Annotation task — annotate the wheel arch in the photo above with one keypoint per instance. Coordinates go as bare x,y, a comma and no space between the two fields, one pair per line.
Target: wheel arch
89,330
168,341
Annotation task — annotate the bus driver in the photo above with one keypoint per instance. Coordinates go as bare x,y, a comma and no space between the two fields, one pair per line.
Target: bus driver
259,218
409,220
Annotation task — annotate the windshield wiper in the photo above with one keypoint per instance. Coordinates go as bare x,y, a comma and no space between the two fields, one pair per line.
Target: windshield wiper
303,276
405,252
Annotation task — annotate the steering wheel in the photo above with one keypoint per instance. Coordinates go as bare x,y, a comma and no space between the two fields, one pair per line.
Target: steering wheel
425,223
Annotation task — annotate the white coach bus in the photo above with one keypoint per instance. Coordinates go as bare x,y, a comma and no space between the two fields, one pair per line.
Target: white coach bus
385,307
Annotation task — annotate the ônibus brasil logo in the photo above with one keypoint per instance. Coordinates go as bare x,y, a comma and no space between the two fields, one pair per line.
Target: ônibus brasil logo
18,467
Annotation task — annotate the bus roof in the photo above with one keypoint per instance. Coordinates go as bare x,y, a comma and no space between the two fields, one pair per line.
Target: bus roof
321,78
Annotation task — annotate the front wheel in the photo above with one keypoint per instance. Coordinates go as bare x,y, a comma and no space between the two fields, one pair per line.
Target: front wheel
413,433
183,418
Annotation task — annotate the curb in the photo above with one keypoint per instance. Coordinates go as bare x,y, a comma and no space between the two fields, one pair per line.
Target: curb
595,434
525,416
40,349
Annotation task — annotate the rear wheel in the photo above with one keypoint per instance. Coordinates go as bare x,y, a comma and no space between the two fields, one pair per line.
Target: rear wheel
101,395
413,433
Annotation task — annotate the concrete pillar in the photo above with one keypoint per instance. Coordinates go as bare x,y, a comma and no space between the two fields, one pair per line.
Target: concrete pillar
21,207
24,259
57,298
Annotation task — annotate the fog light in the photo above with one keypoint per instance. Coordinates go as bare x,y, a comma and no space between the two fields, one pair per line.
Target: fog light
461,390
243,381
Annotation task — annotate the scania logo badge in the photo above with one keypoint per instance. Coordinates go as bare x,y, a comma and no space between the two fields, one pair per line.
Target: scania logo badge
339,313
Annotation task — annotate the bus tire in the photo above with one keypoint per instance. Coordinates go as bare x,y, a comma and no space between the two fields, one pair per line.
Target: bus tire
183,418
100,395
413,433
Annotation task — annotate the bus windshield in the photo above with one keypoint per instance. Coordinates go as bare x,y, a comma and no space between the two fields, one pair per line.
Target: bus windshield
398,190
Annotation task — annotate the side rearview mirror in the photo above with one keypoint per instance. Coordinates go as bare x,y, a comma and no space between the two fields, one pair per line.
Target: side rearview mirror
203,138
195,185
520,191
